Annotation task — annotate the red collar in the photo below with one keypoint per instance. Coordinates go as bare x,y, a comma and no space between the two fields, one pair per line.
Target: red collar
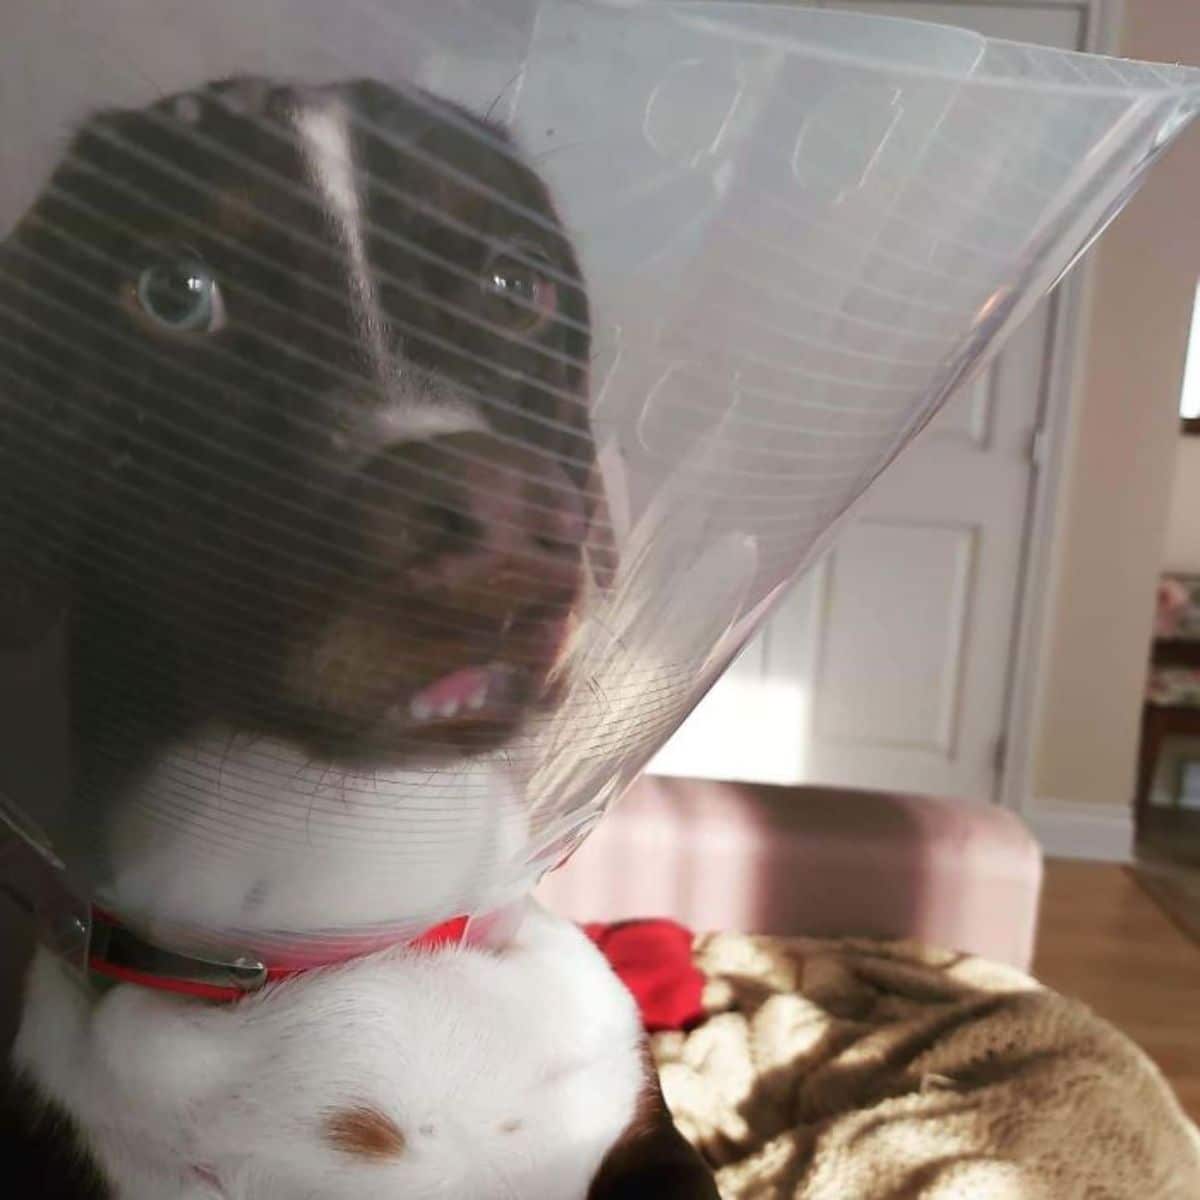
117,953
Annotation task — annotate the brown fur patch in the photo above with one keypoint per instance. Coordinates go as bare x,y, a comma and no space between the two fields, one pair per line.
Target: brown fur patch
364,1132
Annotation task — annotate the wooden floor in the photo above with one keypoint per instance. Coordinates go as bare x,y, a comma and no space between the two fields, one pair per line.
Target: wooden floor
1104,941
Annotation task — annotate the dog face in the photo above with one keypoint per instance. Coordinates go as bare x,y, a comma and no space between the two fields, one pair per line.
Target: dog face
295,418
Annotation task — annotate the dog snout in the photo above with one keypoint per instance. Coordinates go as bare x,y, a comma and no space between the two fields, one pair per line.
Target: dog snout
500,522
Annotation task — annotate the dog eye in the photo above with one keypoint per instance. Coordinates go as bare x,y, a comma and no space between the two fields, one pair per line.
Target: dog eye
527,297
180,295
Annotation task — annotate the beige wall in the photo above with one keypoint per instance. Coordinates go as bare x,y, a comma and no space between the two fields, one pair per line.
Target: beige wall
1182,550
1118,486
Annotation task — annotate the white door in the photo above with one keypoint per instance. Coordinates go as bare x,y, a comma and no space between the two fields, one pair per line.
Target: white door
888,666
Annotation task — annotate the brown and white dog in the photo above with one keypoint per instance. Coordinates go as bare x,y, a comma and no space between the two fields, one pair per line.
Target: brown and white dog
294,433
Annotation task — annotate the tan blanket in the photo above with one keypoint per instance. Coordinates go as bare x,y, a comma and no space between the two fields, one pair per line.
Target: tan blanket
863,1071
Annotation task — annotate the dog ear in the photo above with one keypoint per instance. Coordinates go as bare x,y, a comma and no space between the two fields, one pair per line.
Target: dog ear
44,1151
652,1160
39,468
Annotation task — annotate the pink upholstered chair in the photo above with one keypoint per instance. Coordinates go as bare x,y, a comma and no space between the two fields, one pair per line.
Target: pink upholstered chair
819,861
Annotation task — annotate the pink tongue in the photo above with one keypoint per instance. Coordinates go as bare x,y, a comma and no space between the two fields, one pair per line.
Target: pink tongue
456,689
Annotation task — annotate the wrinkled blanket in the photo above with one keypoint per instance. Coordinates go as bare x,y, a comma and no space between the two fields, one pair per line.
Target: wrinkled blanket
853,1070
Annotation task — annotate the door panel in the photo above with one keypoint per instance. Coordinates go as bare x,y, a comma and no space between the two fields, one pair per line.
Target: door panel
890,675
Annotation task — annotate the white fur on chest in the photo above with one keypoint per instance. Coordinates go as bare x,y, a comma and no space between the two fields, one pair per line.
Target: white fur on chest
508,1074
249,839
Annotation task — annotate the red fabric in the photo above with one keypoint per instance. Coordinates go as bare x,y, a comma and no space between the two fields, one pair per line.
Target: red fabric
653,958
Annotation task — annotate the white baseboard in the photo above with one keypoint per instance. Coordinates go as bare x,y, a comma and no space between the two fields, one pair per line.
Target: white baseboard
1090,831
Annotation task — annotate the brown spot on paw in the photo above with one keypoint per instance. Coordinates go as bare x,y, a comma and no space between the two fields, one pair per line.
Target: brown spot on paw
364,1132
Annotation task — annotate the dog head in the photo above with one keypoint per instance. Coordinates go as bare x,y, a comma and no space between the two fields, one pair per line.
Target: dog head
295,417
294,431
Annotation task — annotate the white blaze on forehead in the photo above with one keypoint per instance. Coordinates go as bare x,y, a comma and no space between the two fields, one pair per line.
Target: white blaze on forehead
419,406
324,127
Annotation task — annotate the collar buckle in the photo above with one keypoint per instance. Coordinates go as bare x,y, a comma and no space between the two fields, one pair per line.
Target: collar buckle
118,953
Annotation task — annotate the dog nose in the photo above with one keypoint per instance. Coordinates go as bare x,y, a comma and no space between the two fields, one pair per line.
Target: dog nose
473,511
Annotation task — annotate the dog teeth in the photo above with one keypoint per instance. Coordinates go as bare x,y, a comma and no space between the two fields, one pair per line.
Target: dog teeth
466,690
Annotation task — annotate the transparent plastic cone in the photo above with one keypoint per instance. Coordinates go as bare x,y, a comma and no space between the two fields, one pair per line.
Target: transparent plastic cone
779,240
